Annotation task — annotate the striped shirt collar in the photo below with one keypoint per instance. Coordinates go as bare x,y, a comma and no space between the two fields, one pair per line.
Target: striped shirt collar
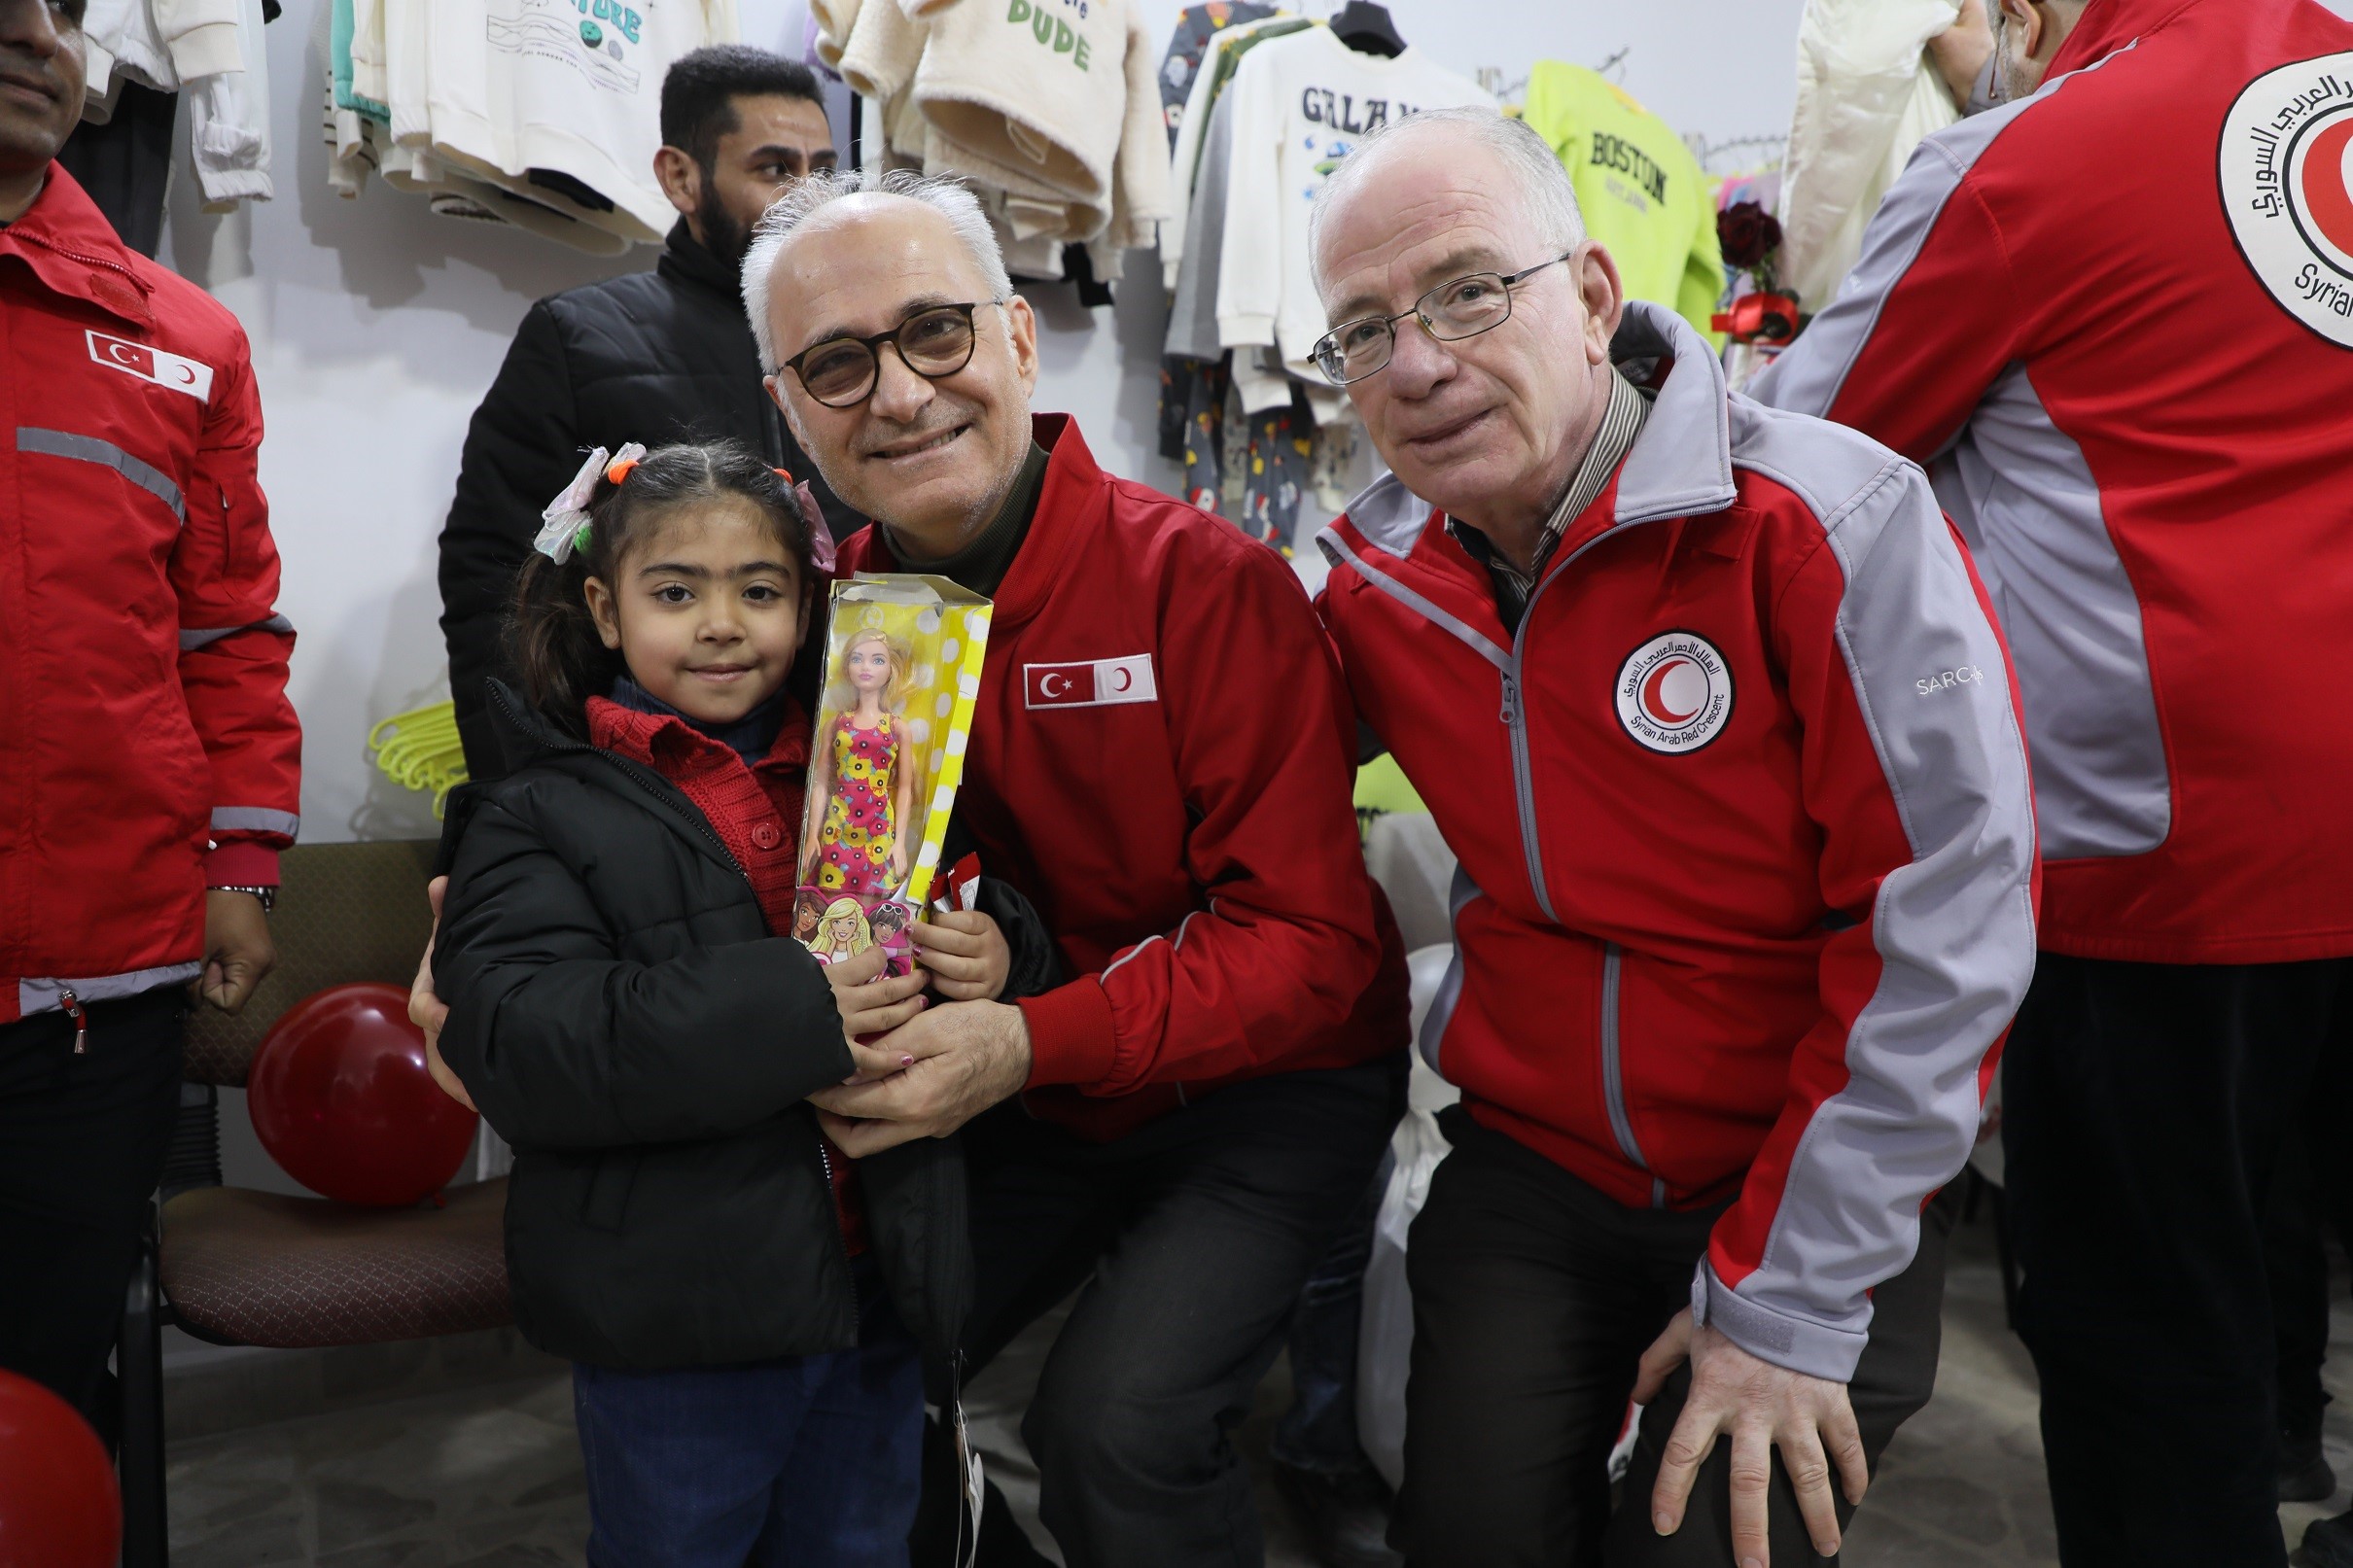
1621,422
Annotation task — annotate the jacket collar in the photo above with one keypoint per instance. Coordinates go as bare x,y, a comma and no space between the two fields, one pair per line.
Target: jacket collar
1074,498
73,250
525,735
686,261
2108,26
1680,465
673,746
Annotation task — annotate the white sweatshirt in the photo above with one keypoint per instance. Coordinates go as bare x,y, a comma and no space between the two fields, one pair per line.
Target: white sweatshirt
159,43
1300,103
228,122
569,85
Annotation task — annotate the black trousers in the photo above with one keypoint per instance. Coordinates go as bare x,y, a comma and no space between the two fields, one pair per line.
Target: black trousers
1534,1296
1192,1238
81,1145
2144,1108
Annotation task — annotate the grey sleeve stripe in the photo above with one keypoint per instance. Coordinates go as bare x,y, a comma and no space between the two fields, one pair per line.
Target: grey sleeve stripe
197,637
1434,1022
1811,373
1808,376
1415,602
47,996
254,820
1953,926
106,454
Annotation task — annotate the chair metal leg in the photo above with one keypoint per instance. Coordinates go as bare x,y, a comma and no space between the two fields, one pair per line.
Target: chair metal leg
139,1359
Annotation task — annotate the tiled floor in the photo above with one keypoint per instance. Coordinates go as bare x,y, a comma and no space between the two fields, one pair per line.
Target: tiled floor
490,1479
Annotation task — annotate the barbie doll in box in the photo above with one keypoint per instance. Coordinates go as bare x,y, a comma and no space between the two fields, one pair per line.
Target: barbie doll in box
861,779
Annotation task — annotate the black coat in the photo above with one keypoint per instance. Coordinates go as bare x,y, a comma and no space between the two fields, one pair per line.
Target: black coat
622,1016
654,357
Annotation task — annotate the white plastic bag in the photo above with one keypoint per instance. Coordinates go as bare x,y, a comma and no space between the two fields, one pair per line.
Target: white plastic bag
1385,1343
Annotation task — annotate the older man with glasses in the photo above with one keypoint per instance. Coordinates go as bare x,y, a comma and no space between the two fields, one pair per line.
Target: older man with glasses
1161,761
1710,706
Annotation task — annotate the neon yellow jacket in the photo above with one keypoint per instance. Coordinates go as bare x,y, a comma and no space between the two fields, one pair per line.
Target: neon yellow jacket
1641,191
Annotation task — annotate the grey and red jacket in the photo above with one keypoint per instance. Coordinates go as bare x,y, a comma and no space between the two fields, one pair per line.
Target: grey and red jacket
1748,874
146,747
2116,319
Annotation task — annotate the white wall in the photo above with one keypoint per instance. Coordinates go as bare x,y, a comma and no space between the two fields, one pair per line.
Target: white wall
376,326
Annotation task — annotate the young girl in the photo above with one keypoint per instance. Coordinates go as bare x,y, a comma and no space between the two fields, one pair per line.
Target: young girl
860,784
629,1011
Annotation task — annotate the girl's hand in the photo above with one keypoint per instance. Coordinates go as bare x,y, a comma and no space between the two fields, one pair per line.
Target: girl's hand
966,952
898,863
872,1004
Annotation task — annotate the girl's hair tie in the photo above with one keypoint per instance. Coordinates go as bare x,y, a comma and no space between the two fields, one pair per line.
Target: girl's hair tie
785,474
564,523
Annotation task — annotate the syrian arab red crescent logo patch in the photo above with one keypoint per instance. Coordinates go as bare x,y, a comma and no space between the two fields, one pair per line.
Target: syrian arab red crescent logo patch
2286,167
1675,692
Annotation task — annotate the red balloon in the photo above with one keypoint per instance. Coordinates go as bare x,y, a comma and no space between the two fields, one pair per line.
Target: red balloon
342,1098
58,1506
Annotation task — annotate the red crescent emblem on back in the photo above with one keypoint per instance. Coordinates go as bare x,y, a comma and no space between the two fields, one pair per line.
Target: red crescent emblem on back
2325,201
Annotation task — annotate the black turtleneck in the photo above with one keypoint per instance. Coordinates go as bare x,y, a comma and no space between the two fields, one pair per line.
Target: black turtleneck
982,563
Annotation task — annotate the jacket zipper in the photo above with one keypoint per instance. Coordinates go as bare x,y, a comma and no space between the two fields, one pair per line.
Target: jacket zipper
73,1010
1515,720
1613,1072
656,786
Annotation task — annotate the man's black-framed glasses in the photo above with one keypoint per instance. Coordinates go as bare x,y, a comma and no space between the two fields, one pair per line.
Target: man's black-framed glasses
841,372
1465,307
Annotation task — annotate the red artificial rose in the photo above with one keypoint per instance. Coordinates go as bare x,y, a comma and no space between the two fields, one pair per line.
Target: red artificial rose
1749,234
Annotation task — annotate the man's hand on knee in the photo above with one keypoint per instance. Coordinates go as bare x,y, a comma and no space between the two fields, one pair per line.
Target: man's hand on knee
1761,1405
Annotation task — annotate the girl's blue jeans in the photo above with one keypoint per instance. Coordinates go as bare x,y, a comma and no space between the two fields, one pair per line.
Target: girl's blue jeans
804,1462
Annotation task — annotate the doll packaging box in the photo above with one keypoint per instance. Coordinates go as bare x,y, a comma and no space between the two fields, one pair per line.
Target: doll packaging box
903,669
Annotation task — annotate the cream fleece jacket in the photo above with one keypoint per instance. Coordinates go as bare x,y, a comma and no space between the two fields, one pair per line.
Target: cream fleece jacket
1030,96
834,19
881,51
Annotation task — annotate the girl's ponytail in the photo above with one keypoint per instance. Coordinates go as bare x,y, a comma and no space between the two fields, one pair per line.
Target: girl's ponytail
552,643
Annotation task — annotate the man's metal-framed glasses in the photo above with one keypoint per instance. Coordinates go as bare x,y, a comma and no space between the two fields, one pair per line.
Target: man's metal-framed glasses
1465,307
842,373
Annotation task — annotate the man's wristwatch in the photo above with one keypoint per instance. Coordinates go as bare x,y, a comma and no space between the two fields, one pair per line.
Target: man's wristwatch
268,895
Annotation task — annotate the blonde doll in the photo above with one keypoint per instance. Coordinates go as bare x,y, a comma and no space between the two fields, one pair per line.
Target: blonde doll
859,780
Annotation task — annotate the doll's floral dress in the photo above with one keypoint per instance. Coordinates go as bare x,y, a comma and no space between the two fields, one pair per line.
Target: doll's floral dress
856,838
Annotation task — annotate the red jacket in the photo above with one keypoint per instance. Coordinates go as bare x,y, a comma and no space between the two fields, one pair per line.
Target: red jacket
1745,898
1161,761
147,748
2118,318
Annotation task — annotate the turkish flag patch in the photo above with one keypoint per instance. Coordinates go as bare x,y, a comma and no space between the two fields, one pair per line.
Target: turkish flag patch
174,372
1090,682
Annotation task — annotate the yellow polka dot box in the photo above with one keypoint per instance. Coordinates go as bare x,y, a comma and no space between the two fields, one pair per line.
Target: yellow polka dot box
903,669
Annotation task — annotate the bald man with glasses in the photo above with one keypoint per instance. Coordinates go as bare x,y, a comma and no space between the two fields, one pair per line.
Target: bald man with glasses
1710,705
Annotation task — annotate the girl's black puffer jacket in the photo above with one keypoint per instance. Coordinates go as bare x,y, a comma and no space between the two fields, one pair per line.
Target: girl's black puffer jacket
624,1018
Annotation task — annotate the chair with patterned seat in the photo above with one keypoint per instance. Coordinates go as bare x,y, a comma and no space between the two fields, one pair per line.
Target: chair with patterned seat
234,1266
